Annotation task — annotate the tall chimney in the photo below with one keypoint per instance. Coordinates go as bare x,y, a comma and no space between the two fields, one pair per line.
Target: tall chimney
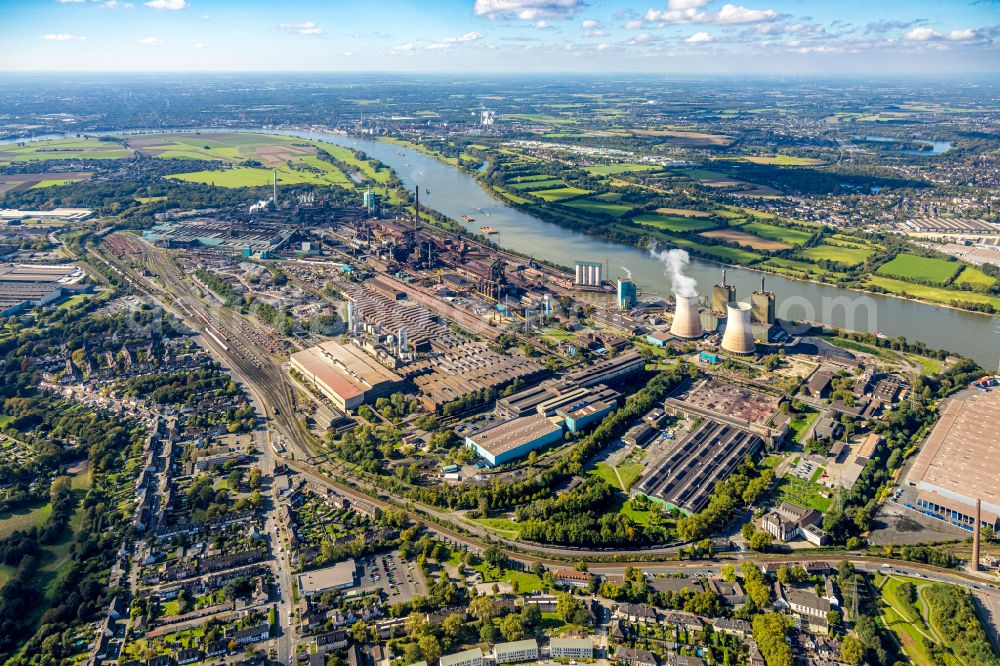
762,284
274,197
975,535
416,208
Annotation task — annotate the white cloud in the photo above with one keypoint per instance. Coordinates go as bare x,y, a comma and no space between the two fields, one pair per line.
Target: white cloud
405,49
634,24
62,37
962,35
686,11
641,38
448,42
686,4
309,28
70,2
735,14
172,5
527,10
201,45
542,25
920,34
115,4
699,38
603,47
590,24
150,41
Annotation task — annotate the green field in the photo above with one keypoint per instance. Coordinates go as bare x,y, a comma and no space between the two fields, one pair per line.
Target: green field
800,424
673,222
615,169
772,232
792,268
536,184
797,491
781,160
23,519
973,276
704,174
504,526
53,182
933,294
63,149
912,267
629,473
731,255
242,177
595,206
849,256
560,193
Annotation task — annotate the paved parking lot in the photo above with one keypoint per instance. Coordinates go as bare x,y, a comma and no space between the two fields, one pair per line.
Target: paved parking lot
399,579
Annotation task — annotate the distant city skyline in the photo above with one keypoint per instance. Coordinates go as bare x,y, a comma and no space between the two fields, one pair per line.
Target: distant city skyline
657,36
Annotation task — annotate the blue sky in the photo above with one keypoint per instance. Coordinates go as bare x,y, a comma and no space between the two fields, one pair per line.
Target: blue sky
865,37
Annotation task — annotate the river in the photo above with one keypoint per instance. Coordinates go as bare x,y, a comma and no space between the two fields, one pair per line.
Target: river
454,193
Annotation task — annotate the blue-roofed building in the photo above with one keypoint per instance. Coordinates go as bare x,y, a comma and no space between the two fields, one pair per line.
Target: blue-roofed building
515,438
580,415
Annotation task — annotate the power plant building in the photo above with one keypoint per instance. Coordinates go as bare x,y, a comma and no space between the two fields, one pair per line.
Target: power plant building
687,318
345,374
722,295
738,337
514,439
588,274
627,295
960,463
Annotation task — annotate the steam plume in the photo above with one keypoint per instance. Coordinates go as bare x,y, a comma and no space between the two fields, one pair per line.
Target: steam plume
628,273
674,264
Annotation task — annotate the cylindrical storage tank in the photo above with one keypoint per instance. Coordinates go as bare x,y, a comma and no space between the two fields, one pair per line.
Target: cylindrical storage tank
738,338
687,321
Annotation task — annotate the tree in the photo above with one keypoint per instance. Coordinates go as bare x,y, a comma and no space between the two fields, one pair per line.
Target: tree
452,626
851,650
570,609
488,632
359,632
833,617
532,615
760,541
784,575
512,627
416,623
769,631
729,573
483,608
430,647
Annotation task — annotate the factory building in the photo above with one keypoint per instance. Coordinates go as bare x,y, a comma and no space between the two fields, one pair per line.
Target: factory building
514,439
588,274
960,463
579,416
548,397
609,371
345,374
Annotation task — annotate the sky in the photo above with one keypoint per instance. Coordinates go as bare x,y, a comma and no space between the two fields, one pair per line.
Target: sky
760,37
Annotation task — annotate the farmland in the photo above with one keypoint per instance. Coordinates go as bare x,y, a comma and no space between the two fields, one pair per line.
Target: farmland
912,267
841,254
746,239
85,148
560,193
597,206
672,222
932,294
773,232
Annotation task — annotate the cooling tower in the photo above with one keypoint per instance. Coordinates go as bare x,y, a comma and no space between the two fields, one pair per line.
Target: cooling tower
738,337
687,321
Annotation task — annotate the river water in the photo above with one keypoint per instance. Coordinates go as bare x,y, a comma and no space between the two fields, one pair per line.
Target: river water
454,193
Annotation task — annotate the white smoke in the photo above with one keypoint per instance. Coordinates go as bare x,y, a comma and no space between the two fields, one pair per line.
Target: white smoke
628,273
675,262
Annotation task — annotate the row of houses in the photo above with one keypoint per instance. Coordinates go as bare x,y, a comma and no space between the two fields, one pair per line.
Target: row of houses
516,652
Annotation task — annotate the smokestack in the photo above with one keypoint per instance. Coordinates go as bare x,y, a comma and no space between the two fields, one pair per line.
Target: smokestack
975,535
274,197
723,276
687,320
762,284
738,337
416,208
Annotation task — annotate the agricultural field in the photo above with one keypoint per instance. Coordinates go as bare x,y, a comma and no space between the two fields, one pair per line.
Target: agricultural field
849,256
913,267
780,160
974,277
522,186
746,239
672,222
560,193
615,169
932,294
730,255
22,181
251,177
684,212
596,206
773,232
84,148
